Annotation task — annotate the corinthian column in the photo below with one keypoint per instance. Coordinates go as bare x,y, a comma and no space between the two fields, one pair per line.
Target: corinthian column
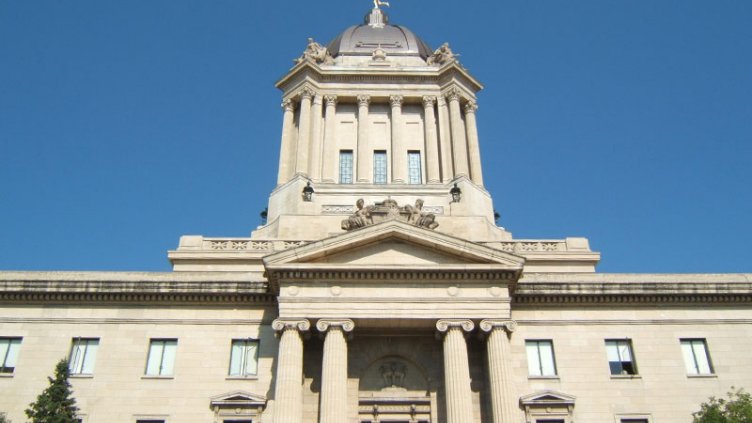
331,165
399,151
456,369
334,370
503,404
432,142
364,147
445,139
288,392
314,160
304,130
459,143
287,149
473,147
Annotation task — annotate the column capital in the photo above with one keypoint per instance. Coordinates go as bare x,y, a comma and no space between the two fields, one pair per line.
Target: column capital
306,93
301,325
429,100
471,107
396,100
441,101
453,94
288,105
364,100
346,325
331,100
489,325
465,325
318,99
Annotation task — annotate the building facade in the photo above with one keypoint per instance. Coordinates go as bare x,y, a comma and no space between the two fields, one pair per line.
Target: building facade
380,289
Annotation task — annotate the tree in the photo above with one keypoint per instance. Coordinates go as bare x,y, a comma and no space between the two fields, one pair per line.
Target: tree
56,403
736,409
4,418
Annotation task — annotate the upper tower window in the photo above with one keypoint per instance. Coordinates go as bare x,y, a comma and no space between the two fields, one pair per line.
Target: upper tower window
379,167
345,167
414,175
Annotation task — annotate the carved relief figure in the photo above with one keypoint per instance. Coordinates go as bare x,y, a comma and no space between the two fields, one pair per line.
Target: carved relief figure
393,374
316,53
360,218
442,55
419,218
389,210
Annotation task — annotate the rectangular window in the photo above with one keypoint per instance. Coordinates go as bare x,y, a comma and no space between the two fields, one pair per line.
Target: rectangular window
9,354
540,358
379,167
696,357
161,360
150,421
345,167
620,358
634,421
83,355
414,175
244,357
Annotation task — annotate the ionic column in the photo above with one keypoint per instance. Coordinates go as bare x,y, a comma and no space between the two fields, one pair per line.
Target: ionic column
399,151
334,370
331,162
445,139
314,162
288,392
456,369
432,142
287,149
459,141
364,147
304,131
503,400
473,147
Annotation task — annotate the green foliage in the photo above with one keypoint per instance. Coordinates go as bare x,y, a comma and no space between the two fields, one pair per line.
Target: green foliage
56,403
736,409
4,418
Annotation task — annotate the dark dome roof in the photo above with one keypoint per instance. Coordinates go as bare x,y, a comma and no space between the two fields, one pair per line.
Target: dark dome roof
360,40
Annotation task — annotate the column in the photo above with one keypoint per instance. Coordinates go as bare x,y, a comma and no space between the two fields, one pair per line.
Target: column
445,139
503,401
433,175
363,158
399,151
334,370
287,149
314,162
331,158
456,369
459,143
473,147
304,131
288,392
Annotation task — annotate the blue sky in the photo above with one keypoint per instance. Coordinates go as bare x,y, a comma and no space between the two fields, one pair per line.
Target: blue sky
126,124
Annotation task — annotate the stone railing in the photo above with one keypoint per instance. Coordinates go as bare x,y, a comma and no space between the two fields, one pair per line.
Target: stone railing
245,244
530,246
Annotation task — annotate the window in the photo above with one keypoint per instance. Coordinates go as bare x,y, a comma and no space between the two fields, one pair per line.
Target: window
150,421
620,357
83,355
379,167
696,357
540,358
161,359
413,168
9,354
345,167
244,357
633,421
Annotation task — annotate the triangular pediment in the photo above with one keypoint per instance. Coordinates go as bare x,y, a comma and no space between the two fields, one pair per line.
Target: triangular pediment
547,397
238,398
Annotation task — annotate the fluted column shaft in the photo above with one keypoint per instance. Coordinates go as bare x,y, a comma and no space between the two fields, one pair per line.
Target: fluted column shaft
432,143
304,131
331,163
456,370
334,371
503,400
459,141
314,161
445,139
288,392
364,146
399,151
473,146
287,149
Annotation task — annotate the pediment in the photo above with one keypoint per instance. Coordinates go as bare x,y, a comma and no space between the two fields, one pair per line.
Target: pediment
238,398
548,397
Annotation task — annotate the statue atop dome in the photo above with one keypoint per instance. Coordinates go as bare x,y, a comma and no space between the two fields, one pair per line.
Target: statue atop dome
377,3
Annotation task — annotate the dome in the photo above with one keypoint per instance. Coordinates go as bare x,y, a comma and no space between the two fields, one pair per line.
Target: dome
376,32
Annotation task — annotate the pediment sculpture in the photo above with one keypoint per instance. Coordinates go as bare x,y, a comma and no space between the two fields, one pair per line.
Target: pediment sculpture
316,53
389,210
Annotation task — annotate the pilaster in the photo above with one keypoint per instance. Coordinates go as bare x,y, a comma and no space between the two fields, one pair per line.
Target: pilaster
433,175
445,141
314,162
363,160
399,152
459,141
331,164
304,131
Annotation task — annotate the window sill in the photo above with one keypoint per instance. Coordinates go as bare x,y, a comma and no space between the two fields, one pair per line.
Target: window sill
249,377
159,377
626,377
707,376
6,375
82,376
543,377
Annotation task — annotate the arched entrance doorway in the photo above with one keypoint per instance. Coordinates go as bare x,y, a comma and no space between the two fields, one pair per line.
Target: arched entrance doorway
393,389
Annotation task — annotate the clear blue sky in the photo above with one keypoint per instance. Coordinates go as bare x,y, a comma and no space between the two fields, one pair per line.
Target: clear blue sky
126,124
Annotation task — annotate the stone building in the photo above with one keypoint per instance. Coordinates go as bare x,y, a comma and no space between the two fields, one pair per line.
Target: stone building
380,290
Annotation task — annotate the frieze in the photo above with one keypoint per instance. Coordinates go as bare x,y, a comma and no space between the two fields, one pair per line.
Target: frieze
337,209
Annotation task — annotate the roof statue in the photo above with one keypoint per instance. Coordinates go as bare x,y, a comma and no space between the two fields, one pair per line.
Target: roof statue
316,53
389,210
377,3
442,55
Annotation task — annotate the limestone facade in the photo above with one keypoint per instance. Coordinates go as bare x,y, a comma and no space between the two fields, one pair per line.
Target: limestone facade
380,289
